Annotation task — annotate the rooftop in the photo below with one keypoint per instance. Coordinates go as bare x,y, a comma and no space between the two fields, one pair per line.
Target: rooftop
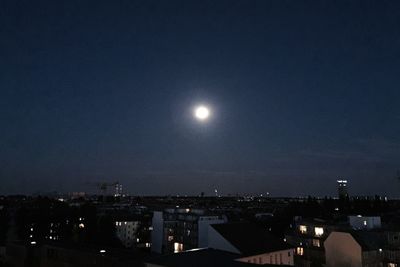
250,239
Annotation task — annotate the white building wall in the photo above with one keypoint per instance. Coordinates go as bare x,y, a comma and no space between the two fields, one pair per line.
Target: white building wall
281,257
342,250
158,232
216,241
365,222
203,225
126,232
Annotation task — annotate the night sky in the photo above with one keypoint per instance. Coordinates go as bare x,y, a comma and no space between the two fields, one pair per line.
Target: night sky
301,92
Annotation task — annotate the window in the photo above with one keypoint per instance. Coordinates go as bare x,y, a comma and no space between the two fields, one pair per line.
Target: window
319,231
170,238
365,223
390,264
316,243
303,229
178,247
300,251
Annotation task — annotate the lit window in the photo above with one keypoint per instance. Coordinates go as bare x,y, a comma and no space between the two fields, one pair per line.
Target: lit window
178,247
303,229
170,238
365,223
316,243
390,264
300,251
319,231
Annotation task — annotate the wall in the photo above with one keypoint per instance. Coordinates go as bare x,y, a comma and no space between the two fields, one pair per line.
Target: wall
282,257
216,241
158,232
365,222
203,225
341,250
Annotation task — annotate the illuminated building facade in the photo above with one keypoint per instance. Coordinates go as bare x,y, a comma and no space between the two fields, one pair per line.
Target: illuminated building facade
342,188
176,230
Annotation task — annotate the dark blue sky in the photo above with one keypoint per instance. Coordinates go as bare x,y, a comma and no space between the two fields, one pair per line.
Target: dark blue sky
303,92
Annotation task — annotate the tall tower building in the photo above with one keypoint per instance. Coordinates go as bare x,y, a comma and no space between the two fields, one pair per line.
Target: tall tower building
342,188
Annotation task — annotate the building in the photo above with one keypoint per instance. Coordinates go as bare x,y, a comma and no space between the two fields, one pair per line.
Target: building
118,190
342,189
127,232
253,243
206,257
176,230
308,236
362,249
51,254
359,222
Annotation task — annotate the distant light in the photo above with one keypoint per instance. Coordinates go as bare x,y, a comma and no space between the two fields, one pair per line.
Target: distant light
380,250
319,231
102,251
81,225
33,242
303,229
202,112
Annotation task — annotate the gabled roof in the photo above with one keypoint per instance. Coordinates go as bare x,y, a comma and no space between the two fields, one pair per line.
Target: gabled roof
206,257
199,258
250,239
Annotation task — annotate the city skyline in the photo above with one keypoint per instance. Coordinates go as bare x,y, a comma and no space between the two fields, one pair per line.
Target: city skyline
300,94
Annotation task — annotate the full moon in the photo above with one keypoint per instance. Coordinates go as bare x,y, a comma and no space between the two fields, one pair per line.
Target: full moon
202,113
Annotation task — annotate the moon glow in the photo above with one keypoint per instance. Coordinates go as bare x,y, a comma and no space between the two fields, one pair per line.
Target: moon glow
202,113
